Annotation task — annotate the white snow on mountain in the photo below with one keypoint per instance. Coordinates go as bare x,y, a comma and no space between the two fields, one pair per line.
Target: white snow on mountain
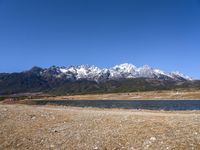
122,71
176,73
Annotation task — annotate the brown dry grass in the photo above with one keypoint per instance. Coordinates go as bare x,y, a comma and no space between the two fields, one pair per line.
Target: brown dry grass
58,127
160,95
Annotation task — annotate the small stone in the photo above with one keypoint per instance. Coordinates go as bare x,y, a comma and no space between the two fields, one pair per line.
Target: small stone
152,139
33,117
4,109
55,131
19,144
52,146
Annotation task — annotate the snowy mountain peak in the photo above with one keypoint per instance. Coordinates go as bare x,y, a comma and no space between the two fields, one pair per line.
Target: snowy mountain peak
122,71
125,66
176,73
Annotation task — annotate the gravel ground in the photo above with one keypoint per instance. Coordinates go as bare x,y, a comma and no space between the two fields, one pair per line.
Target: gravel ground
148,95
58,127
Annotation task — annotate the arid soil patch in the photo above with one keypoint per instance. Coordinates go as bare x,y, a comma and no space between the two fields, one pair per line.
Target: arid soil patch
151,95
50,127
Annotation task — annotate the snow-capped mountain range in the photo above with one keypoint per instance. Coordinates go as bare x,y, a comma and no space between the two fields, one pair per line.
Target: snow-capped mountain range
122,71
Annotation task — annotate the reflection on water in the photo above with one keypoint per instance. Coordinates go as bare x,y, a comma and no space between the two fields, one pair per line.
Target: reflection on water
128,104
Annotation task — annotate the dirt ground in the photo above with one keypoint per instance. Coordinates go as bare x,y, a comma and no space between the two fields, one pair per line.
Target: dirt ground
73,128
158,95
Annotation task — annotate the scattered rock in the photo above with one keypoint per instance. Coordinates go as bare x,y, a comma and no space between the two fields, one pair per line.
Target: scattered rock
4,109
33,117
52,146
19,144
131,148
152,139
195,133
89,128
95,147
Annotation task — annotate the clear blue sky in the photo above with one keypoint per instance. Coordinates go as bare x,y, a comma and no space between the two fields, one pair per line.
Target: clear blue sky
164,34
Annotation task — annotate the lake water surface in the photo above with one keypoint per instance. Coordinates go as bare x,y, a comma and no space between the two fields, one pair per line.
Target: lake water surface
127,104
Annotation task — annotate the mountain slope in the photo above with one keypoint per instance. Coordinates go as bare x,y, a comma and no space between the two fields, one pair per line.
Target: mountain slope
91,79
123,71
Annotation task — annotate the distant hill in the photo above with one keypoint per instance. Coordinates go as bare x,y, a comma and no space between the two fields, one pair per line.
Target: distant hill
90,79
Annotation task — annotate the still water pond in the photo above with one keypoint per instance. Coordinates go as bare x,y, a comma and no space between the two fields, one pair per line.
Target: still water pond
127,104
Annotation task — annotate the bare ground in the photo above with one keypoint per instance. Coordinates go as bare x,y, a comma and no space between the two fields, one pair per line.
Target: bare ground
158,95
59,127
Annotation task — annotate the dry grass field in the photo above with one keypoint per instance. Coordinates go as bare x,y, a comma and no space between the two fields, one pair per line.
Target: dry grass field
158,95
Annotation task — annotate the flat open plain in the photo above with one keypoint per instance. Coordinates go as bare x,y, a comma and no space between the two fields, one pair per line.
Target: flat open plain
74,128
148,95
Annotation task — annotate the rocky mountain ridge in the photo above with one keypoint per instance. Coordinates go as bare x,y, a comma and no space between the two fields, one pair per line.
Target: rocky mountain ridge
91,79
122,71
